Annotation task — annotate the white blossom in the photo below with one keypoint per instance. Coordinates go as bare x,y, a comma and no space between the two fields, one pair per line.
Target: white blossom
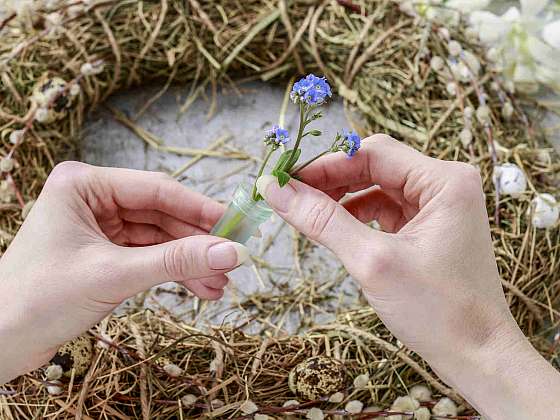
361,381
507,111
249,407
173,370
315,414
6,164
53,373
510,179
354,407
92,69
16,136
437,63
466,137
336,398
188,400
75,89
54,388
290,403
545,211
445,407
454,48
421,393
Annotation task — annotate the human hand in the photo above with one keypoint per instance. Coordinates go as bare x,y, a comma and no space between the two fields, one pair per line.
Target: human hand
431,275
95,237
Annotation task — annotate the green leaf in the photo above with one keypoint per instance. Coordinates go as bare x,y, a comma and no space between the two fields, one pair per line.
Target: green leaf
283,178
290,164
282,161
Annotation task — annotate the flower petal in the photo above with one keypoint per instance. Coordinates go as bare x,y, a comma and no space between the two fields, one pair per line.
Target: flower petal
551,34
542,52
533,7
491,28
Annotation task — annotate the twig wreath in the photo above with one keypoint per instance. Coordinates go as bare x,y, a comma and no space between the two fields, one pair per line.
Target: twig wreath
431,87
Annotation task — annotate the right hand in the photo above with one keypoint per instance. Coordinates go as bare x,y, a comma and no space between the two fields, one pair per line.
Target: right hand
431,274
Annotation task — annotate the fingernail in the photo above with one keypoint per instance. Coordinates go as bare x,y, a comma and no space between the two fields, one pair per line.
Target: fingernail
227,255
280,198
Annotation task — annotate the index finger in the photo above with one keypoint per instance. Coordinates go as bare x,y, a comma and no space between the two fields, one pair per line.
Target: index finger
381,161
141,190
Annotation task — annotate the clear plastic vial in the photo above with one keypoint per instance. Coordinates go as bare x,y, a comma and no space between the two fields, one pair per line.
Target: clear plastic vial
243,216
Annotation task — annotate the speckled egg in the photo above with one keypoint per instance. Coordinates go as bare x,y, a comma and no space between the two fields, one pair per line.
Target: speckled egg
51,91
318,377
76,354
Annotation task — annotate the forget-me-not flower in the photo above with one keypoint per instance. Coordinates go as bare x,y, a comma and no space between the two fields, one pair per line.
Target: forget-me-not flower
351,143
276,136
311,90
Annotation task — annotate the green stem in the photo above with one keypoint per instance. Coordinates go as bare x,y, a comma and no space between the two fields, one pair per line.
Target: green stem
299,136
261,171
309,162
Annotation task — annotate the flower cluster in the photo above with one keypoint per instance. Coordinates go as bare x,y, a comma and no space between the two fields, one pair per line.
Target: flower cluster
276,137
348,142
311,90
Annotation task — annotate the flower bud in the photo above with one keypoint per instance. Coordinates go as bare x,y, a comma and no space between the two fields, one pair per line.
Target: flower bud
173,370
451,88
17,136
466,137
437,63
507,111
354,407
545,211
6,164
445,407
336,398
455,49
483,115
510,179
53,373
421,393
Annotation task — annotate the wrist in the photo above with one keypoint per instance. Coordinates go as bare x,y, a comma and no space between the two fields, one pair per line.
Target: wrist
505,378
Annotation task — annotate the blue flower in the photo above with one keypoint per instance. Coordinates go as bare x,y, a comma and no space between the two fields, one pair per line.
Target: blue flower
311,90
350,144
276,136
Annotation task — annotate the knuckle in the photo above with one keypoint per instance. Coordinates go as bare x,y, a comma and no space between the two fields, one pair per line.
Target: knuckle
177,262
467,181
319,217
66,173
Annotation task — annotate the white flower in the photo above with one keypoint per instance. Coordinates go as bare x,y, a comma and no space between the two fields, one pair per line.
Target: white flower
42,115
510,179
422,414
53,373
249,407
545,211
551,34
92,69
483,115
354,407
445,407
437,63
188,400
451,88
467,6
507,111
315,414
290,403
421,392
53,20
17,136
6,164
516,36
454,48
466,137
405,404
54,388
216,404
173,370
361,381
336,398
75,89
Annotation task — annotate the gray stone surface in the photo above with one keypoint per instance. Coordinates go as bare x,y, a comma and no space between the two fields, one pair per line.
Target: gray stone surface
244,115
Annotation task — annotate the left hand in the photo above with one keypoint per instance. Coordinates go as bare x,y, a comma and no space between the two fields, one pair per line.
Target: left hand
95,237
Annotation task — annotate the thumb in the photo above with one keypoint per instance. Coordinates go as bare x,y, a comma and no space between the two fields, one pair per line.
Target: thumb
323,220
190,258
